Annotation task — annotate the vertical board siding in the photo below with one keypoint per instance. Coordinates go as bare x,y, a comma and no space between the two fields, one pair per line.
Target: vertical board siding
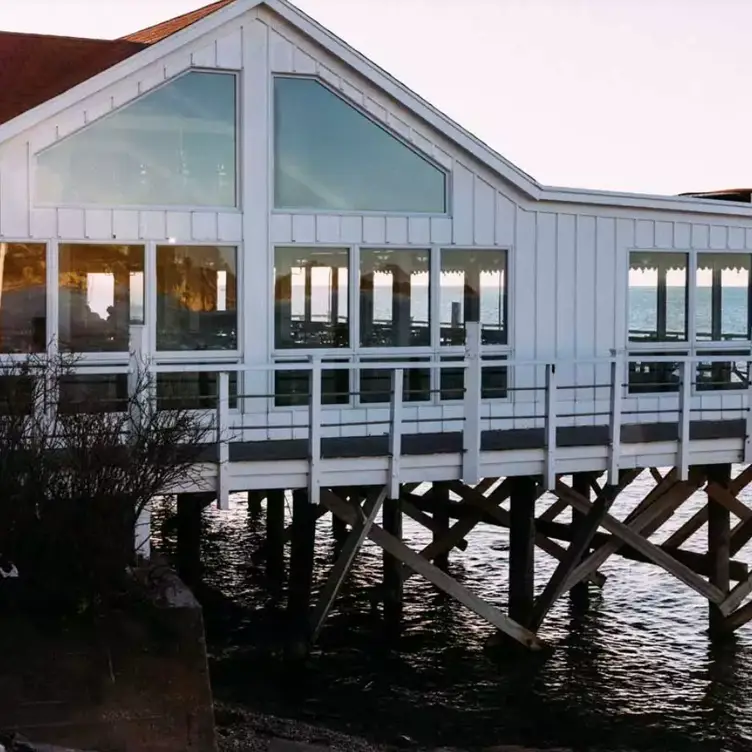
230,50
566,283
605,308
523,326
625,241
546,269
585,312
462,205
484,211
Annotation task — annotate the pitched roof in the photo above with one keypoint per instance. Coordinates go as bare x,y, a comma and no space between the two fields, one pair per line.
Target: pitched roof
158,32
38,67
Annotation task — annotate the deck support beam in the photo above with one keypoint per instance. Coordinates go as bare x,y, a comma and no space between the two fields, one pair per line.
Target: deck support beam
391,517
190,509
522,548
719,540
441,522
579,593
301,572
275,540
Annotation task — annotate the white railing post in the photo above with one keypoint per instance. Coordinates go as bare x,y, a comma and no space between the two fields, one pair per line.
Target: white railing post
143,533
685,397
139,391
748,432
395,433
471,431
223,441
314,433
614,429
550,438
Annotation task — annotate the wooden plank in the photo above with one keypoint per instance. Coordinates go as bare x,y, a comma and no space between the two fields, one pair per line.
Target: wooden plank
657,555
586,528
736,597
434,575
522,550
554,510
426,520
719,538
648,512
501,516
688,529
727,499
345,561
738,618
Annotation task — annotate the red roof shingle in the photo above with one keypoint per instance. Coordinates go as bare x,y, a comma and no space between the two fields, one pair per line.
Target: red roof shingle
161,31
37,67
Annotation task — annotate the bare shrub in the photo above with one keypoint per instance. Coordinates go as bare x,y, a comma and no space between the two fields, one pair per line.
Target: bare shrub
75,475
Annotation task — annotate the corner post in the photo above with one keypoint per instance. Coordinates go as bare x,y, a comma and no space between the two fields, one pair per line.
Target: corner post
223,445
471,434
550,459
395,435
314,434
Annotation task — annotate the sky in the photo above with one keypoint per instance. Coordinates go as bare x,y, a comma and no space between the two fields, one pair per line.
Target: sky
647,96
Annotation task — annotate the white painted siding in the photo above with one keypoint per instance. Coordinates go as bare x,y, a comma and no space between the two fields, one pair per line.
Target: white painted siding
567,263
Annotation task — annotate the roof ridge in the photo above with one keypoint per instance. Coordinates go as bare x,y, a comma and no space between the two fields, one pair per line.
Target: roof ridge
158,32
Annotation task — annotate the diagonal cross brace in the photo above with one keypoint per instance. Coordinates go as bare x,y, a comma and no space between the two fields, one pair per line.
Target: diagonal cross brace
433,574
346,558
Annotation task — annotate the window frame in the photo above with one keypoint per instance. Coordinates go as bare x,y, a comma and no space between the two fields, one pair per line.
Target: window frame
200,356
433,352
691,346
237,208
273,209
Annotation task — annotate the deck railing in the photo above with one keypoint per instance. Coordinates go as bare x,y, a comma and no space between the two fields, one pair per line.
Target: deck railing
553,405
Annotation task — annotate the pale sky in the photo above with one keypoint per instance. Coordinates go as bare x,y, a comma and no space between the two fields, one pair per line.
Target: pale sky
636,95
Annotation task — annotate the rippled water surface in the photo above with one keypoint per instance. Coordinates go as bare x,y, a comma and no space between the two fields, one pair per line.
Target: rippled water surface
638,672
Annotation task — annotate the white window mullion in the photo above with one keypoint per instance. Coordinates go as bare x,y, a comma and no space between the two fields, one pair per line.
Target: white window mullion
434,318
150,298
692,301
53,298
353,288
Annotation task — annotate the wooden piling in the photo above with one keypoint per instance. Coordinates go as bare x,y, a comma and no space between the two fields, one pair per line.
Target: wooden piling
302,545
339,527
254,503
188,551
391,515
580,593
522,548
275,540
719,543
440,502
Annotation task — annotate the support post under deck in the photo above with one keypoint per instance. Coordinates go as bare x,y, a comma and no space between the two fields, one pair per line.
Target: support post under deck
580,593
302,546
275,540
440,503
391,515
522,548
719,544
254,503
190,508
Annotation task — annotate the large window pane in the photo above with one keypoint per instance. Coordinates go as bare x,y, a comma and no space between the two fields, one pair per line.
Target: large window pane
657,296
198,390
330,156
174,146
311,306
722,296
23,297
101,289
394,298
196,298
376,383
93,393
473,288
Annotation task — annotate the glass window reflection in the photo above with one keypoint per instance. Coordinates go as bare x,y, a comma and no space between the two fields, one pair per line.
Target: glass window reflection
23,297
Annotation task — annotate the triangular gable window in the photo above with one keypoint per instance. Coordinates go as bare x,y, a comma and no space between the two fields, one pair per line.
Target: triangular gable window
330,156
175,146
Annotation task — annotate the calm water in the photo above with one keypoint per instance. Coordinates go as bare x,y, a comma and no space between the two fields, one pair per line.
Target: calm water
637,673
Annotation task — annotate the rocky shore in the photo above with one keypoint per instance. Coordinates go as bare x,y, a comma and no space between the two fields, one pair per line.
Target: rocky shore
239,730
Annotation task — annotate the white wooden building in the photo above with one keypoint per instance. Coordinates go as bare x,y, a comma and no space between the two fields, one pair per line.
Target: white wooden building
255,201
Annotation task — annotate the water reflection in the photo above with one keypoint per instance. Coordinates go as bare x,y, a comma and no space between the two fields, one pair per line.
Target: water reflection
635,673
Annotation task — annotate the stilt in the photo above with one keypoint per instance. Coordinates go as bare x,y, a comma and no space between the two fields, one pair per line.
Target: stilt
391,515
301,573
339,528
440,502
580,593
275,541
522,548
254,503
190,508
719,542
